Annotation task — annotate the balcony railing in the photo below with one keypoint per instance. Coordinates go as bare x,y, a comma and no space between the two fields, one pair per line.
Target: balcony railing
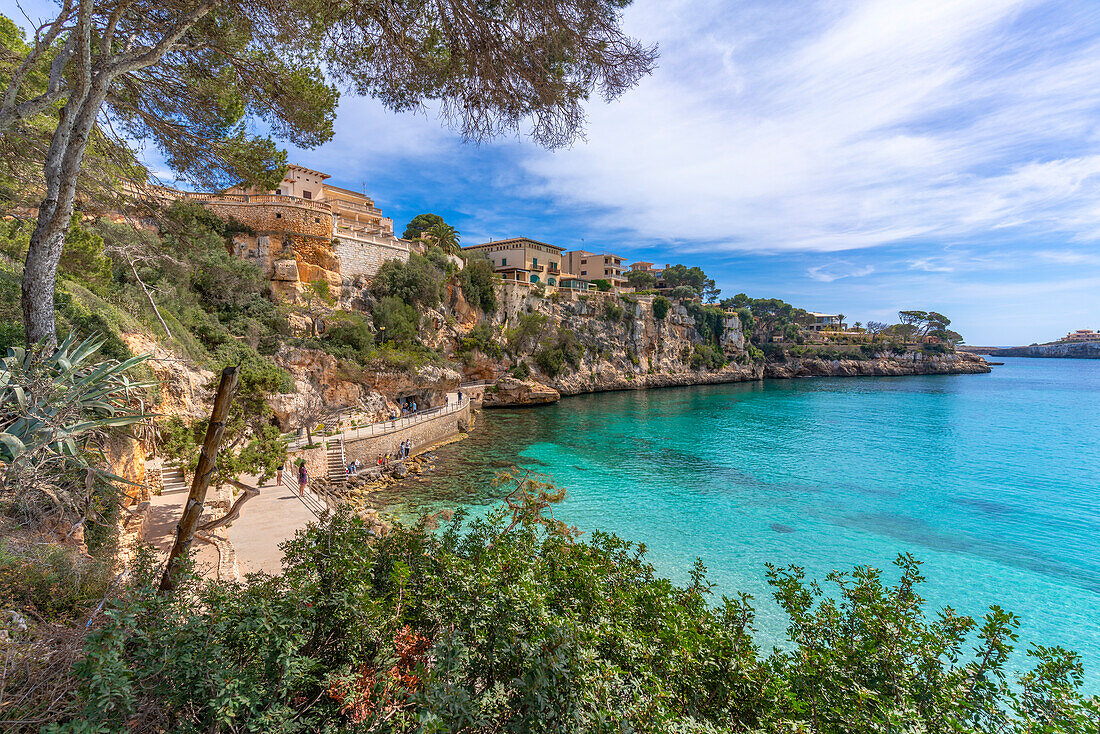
357,207
283,199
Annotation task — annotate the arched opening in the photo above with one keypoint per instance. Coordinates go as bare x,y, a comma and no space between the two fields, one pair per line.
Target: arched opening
551,281
534,279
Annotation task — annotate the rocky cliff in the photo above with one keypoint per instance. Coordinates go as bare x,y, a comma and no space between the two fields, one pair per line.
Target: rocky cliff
621,344
911,363
1066,350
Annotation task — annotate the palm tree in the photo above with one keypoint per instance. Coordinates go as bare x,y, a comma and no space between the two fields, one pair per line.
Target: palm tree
443,236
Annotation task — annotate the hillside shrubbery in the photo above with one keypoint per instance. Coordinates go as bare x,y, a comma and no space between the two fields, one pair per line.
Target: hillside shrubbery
513,626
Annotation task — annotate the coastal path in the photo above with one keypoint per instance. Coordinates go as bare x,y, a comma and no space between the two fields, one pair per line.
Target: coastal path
381,428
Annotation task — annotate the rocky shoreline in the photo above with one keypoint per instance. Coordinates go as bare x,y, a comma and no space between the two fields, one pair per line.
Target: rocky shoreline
1066,350
511,392
959,363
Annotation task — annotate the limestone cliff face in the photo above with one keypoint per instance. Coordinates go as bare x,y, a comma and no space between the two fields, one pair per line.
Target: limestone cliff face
630,351
319,374
1069,350
510,392
912,363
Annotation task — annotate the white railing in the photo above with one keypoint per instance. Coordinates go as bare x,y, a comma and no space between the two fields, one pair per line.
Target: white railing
382,428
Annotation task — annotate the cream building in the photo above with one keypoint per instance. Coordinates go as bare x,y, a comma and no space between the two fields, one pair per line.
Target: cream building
524,260
590,266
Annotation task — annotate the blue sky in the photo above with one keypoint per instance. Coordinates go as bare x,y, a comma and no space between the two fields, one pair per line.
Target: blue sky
854,156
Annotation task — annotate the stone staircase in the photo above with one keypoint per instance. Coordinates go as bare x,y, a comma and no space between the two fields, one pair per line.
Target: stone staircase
335,464
174,481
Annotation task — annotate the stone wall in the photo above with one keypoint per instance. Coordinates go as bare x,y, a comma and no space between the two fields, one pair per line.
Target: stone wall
422,434
358,258
275,217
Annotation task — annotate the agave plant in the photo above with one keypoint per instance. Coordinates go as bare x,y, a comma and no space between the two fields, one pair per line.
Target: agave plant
55,410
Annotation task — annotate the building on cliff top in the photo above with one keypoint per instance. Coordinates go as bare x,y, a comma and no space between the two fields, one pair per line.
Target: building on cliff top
307,230
1082,335
524,260
824,322
591,266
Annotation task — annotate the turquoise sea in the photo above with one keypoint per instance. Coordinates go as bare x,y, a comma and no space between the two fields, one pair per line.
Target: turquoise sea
993,481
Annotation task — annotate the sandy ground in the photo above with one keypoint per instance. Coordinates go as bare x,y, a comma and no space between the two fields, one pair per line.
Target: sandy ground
265,521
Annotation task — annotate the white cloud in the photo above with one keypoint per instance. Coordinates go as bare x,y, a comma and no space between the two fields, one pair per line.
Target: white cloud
883,121
835,271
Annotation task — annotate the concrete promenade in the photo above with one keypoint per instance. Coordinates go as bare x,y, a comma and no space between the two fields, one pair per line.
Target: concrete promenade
265,522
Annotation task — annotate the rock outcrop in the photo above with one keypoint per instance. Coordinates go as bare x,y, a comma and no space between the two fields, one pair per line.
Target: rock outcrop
912,363
512,392
623,345
1062,350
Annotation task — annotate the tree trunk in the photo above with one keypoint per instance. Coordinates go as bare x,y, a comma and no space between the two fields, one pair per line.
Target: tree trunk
185,531
40,274
64,160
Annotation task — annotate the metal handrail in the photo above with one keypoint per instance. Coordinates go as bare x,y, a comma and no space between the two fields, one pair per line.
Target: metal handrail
385,427
309,499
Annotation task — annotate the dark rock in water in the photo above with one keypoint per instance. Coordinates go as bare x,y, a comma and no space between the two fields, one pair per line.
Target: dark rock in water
781,528
579,468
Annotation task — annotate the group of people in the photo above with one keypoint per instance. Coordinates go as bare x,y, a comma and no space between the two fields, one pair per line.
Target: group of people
403,450
354,466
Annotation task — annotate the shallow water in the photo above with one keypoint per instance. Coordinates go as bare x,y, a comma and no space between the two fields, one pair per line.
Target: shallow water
993,481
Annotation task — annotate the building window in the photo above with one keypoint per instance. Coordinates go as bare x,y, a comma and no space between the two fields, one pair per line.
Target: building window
279,191
503,261
584,272
534,263
534,279
307,194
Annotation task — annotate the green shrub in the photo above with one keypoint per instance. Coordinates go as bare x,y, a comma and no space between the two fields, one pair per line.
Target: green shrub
564,350
483,338
397,321
529,329
660,307
506,624
709,321
479,283
705,356
602,285
521,371
351,335
51,581
612,311
418,282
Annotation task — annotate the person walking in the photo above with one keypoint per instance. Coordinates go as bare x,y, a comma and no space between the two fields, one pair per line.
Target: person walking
303,478
279,475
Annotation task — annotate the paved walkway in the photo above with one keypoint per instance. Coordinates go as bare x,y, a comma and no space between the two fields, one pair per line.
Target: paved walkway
165,511
266,521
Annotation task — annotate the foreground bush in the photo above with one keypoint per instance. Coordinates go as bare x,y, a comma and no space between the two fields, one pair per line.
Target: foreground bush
513,626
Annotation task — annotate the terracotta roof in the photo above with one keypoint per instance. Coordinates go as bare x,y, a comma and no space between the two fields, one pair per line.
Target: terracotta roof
510,240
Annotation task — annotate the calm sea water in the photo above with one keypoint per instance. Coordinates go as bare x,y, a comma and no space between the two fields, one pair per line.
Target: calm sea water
993,481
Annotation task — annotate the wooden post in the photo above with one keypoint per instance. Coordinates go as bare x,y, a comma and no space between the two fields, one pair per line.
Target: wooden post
185,530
